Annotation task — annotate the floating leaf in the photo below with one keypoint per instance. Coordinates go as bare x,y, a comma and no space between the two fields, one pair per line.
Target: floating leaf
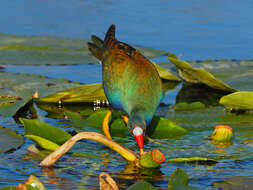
159,127
193,160
238,100
162,128
9,140
179,181
141,185
45,131
41,50
80,94
166,75
192,75
77,121
43,143
16,90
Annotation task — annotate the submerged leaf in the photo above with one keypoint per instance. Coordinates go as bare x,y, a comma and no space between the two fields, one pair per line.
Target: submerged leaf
179,181
235,183
238,100
188,106
9,140
193,160
141,185
192,75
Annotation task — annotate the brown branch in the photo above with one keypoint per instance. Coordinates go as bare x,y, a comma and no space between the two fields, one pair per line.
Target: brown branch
54,156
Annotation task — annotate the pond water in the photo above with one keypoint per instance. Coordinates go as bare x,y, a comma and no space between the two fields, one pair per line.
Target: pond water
197,29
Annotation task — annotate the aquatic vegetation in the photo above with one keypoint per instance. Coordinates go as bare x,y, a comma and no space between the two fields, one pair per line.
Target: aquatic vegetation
60,109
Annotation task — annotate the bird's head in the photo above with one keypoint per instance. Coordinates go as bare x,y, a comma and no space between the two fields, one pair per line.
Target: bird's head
137,128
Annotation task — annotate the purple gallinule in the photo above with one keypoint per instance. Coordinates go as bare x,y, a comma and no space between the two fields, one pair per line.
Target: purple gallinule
131,83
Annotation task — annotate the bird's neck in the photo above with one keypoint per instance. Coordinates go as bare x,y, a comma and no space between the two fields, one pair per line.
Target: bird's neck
136,118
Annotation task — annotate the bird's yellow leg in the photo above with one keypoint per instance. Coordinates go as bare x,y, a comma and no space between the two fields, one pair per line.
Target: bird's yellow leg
125,118
105,125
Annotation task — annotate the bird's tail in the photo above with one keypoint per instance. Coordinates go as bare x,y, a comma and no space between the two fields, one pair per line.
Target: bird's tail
98,46
110,36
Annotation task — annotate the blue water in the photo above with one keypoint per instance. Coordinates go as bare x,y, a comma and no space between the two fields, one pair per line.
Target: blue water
197,29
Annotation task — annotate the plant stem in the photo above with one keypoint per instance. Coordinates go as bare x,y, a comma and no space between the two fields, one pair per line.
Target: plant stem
54,156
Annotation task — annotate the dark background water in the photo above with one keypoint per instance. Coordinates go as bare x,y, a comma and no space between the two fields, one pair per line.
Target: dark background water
198,29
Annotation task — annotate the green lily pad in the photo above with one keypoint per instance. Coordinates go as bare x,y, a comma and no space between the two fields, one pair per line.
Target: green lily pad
78,122
166,75
80,94
159,127
16,90
179,181
141,185
43,143
42,50
193,160
9,140
162,128
44,131
238,100
195,75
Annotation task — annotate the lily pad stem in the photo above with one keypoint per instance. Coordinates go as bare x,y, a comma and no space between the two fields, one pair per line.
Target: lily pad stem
54,156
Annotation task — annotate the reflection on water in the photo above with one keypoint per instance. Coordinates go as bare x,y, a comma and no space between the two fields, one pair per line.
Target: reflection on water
199,93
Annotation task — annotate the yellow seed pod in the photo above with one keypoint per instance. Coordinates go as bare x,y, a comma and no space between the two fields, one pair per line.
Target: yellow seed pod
222,133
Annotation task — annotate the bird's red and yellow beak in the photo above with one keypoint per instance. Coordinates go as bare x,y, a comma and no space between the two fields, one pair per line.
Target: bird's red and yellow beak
138,135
